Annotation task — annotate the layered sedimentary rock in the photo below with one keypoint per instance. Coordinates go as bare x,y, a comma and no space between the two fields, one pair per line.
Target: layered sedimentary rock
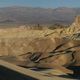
18,41
75,27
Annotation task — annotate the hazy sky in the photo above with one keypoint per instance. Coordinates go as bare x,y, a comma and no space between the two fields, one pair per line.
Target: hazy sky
41,3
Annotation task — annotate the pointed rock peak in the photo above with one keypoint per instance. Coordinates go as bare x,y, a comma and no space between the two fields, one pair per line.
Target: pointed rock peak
77,20
75,27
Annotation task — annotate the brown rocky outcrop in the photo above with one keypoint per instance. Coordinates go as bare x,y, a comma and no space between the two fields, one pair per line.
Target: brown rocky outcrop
75,27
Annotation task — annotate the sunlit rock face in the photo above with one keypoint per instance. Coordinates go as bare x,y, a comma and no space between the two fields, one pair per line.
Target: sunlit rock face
73,31
77,20
75,27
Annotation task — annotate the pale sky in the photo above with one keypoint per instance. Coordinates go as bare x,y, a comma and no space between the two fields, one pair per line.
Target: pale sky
41,3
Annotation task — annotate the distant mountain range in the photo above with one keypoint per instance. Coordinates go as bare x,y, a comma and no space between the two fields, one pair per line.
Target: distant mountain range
29,15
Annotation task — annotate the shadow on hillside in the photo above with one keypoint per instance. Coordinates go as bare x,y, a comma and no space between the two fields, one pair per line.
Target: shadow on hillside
76,74
7,74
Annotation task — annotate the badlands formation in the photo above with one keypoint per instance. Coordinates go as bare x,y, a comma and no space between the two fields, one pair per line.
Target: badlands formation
17,41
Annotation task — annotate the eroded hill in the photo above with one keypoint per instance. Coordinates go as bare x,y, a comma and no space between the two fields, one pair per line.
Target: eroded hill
16,41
